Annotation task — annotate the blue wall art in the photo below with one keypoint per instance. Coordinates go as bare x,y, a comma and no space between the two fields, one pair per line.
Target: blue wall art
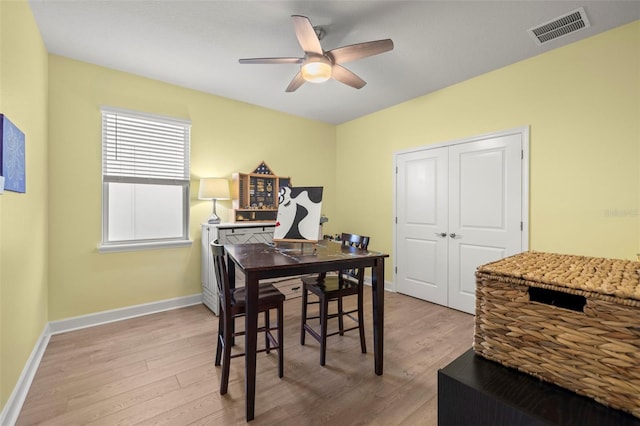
12,156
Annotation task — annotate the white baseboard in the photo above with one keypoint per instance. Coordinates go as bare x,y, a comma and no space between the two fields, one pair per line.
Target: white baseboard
13,406
104,317
387,285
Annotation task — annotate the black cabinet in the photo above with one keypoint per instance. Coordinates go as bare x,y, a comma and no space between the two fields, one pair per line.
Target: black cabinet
475,391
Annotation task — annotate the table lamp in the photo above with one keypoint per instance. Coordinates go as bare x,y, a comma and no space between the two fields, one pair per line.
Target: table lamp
214,189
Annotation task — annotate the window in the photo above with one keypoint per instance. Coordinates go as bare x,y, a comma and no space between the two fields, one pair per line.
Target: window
145,180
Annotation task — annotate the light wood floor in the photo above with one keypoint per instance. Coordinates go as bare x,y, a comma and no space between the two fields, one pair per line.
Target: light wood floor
158,369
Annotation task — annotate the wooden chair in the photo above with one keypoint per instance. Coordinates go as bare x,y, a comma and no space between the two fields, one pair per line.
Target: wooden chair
232,306
334,288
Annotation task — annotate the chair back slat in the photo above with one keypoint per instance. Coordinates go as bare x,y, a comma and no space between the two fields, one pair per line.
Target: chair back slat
360,242
222,277
354,240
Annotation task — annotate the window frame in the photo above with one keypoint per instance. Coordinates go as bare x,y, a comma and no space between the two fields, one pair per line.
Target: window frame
153,243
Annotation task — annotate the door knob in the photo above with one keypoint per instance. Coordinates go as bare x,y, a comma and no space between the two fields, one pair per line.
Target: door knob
452,235
441,234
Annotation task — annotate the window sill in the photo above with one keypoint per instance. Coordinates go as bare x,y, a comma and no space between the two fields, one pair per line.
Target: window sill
111,248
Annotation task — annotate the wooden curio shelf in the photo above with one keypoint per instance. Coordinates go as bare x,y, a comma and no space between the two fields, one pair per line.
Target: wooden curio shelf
255,197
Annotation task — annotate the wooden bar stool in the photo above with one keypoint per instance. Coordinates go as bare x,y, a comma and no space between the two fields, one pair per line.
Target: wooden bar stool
232,306
334,288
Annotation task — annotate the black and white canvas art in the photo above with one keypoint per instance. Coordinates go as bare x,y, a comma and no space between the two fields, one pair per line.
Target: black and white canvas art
299,213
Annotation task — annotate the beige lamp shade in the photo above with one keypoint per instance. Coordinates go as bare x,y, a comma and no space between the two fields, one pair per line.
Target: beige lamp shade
214,189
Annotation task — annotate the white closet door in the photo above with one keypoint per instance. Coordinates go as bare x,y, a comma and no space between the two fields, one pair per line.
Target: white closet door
485,211
458,206
422,224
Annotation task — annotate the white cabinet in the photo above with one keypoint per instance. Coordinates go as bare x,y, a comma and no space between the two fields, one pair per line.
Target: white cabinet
226,233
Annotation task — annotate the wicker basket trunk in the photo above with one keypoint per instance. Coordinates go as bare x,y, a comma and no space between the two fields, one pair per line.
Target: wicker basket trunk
569,320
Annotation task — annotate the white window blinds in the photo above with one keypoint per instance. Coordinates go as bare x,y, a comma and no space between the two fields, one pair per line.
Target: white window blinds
145,173
139,148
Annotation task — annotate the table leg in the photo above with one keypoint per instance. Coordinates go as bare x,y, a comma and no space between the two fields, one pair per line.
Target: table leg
377,293
250,339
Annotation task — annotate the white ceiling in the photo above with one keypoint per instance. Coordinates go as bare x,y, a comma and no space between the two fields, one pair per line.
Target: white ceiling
197,44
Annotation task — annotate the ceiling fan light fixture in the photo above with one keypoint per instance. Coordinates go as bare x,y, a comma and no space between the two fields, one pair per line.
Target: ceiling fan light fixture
318,65
316,69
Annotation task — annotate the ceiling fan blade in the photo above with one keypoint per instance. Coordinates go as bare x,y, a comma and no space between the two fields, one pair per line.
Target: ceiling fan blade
271,61
345,76
306,35
295,83
360,50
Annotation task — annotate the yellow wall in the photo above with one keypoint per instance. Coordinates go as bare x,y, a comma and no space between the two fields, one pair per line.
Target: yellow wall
227,136
23,217
582,103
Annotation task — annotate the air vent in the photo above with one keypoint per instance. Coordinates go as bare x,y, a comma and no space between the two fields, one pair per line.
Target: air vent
559,27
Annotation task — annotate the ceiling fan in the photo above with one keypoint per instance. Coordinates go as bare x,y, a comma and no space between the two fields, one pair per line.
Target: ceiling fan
318,65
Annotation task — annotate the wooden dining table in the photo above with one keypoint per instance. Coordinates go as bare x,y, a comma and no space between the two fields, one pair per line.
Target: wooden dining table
263,261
